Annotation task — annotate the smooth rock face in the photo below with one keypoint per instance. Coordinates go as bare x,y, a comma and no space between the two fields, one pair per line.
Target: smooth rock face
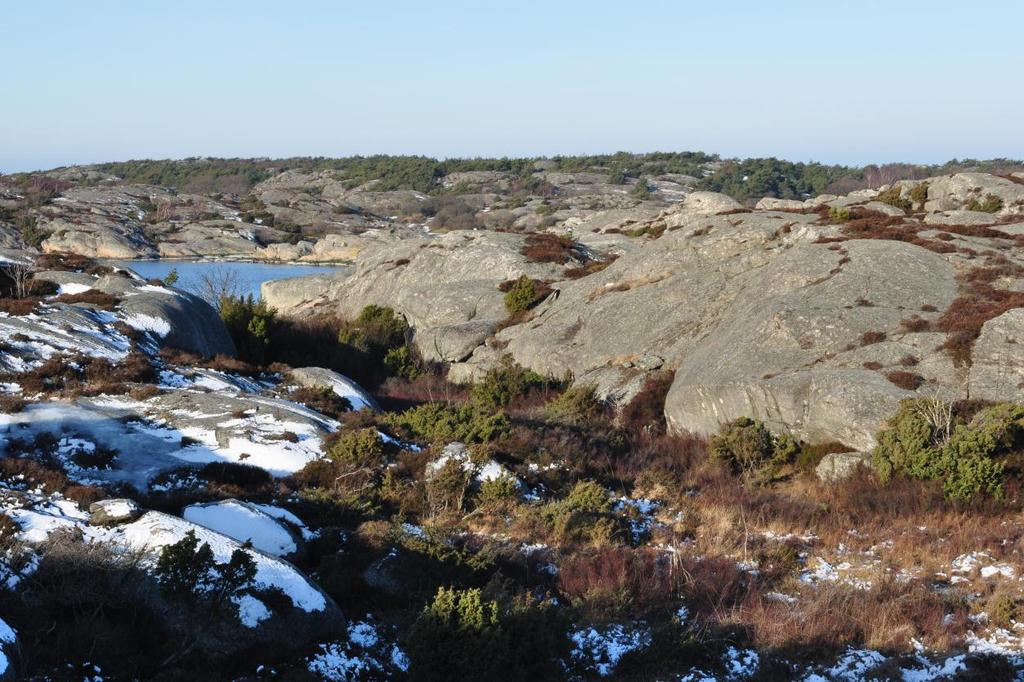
997,371
837,466
759,313
649,302
781,356
113,512
446,287
954,192
210,238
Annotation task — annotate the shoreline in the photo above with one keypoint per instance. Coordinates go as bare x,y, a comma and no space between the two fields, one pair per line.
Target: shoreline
230,259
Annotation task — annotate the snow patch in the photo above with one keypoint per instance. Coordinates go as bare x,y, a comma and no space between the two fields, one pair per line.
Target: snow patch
72,288
243,522
148,323
251,611
601,650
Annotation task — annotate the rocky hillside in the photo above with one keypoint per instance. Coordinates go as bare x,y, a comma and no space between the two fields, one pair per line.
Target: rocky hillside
169,511
673,436
817,317
325,210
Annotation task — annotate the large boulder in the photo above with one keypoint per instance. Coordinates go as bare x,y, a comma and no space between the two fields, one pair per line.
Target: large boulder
305,613
244,522
113,512
953,192
97,239
646,309
331,248
319,377
705,203
836,466
773,204
173,318
190,322
210,238
446,287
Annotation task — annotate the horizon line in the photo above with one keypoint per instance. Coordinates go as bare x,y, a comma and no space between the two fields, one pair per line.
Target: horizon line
525,157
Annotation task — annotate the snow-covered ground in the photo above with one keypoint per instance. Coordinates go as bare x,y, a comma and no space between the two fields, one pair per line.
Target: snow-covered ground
39,515
155,530
155,435
366,654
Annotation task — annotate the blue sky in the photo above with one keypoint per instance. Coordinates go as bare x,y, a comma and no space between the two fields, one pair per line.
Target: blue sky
837,82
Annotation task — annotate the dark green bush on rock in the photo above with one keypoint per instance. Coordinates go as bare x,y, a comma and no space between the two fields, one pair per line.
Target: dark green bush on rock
584,516
357,449
462,635
521,296
503,383
990,204
188,570
894,197
575,405
251,325
378,339
927,439
750,450
401,363
376,328
440,422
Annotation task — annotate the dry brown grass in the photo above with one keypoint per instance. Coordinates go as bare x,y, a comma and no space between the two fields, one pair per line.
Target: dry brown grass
16,470
91,297
226,363
646,411
967,314
83,375
612,580
867,224
542,247
397,394
871,337
323,400
19,306
11,403
914,323
832,617
905,380
627,284
68,262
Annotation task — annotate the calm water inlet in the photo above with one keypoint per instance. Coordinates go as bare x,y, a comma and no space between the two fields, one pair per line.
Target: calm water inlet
246,277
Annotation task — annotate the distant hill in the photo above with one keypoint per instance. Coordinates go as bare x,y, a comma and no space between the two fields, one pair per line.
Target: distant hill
743,179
